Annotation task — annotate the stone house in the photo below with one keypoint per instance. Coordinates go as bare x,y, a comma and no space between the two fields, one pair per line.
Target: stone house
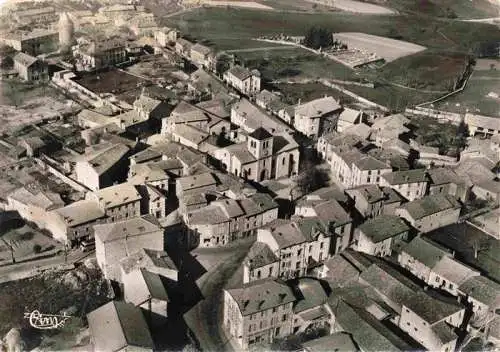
30,68
298,245
102,167
164,36
225,220
411,184
317,117
434,265
146,290
372,200
430,212
380,235
119,326
34,204
75,222
430,319
118,202
445,181
258,312
115,241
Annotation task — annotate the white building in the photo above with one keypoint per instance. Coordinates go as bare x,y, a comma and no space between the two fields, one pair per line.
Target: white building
115,241
317,117
242,79
411,184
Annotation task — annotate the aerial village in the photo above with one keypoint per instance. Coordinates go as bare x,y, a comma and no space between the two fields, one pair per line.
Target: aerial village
217,216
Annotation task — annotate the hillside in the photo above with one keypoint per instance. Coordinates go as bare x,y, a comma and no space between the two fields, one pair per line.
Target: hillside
465,9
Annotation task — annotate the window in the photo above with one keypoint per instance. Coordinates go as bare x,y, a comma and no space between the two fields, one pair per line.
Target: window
274,310
297,265
284,317
299,252
437,279
450,286
321,245
283,161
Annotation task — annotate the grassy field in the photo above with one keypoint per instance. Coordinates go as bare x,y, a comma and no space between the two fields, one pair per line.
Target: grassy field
427,70
225,29
294,63
475,98
395,98
292,93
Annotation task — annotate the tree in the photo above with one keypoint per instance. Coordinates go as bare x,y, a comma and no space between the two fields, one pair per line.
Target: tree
37,248
318,37
312,179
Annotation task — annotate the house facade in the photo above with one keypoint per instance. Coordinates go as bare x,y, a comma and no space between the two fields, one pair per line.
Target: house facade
317,117
115,241
119,202
411,184
30,68
226,220
430,212
258,313
242,79
380,235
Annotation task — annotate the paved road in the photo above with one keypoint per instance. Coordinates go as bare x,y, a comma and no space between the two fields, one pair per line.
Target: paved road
492,20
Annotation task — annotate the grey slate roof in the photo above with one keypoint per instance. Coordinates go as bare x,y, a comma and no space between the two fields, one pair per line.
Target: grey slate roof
262,295
428,205
260,134
311,294
117,325
402,291
483,290
425,251
383,227
403,177
260,255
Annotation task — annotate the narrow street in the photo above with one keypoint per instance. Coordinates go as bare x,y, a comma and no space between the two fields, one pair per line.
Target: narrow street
204,318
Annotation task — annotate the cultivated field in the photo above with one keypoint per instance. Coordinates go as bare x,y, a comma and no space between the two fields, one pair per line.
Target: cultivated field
235,28
387,48
358,7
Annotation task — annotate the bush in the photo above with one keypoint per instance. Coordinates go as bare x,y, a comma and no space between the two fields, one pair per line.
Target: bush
37,248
